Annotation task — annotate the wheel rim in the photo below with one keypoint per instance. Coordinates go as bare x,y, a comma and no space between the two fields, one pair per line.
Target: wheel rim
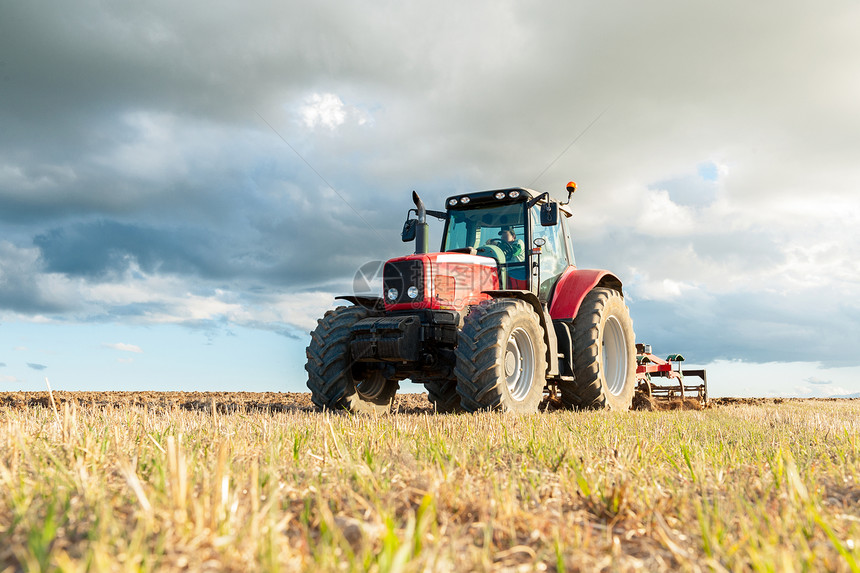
519,363
614,360
372,386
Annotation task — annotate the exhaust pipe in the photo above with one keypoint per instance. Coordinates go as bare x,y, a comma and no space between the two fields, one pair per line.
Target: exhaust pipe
422,236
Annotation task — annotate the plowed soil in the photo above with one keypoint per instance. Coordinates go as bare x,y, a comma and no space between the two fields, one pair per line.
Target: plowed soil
281,401
223,401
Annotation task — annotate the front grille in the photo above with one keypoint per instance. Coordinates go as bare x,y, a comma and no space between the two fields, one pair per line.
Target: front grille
402,275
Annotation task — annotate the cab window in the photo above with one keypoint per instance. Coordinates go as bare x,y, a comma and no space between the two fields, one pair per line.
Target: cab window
553,255
496,232
566,230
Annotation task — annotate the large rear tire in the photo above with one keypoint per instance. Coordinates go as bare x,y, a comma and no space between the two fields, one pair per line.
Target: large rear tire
501,358
604,354
442,393
335,381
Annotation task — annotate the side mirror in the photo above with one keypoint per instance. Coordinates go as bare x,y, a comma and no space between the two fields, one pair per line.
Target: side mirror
408,232
549,214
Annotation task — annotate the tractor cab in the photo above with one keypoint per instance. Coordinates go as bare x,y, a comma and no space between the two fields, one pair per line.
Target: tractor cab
519,229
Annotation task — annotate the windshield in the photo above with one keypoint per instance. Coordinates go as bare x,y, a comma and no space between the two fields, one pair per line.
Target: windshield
496,232
475,227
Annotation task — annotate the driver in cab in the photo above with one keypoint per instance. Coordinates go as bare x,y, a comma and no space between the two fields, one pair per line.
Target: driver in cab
513,248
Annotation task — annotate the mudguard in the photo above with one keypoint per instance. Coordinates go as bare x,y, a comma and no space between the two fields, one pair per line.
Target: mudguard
572,287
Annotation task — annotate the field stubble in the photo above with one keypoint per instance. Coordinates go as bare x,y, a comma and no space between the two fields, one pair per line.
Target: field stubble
149,481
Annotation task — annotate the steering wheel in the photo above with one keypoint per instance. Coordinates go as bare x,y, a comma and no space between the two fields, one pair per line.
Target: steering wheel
492,251
506,247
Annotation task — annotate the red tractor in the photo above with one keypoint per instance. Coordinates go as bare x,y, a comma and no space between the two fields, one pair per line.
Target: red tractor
496,319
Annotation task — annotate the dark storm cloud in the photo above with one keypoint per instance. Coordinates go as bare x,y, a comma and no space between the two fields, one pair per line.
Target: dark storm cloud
22,288
97,249
28,300
65,75
287,246
92,99
754,327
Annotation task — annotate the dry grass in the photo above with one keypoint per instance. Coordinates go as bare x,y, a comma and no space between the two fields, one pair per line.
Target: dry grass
748,487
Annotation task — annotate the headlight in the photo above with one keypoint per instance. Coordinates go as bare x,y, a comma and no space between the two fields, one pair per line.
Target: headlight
464,200
499,195
392,294
514,194
412,292
452,202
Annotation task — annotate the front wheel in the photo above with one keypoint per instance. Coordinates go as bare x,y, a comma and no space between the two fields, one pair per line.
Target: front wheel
335,381
501,358
604,354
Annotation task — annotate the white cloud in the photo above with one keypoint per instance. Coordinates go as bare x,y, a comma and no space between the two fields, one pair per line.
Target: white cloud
323,109
659,216
785,379
327,110
123,347
154,298
649,288
836,391
817,392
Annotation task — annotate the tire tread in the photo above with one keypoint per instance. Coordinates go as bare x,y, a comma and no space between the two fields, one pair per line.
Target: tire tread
329,365
480,370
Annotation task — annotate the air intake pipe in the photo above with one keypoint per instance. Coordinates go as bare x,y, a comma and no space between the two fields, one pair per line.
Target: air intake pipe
422,235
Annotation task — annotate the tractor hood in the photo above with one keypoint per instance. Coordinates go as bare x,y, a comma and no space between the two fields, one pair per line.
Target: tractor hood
438,281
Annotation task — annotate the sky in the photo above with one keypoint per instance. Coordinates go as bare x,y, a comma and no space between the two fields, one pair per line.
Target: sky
185,187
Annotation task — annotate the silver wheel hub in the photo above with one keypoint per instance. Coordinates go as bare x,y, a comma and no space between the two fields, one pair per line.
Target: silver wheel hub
510,363
519,363
614,356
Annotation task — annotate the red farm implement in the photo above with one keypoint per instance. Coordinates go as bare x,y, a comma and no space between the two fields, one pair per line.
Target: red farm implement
665,380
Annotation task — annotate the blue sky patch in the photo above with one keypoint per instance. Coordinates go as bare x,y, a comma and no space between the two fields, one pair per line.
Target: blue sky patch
709,171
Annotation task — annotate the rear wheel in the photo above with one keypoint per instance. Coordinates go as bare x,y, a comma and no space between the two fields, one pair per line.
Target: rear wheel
604,354
335,381
442,393
501,358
